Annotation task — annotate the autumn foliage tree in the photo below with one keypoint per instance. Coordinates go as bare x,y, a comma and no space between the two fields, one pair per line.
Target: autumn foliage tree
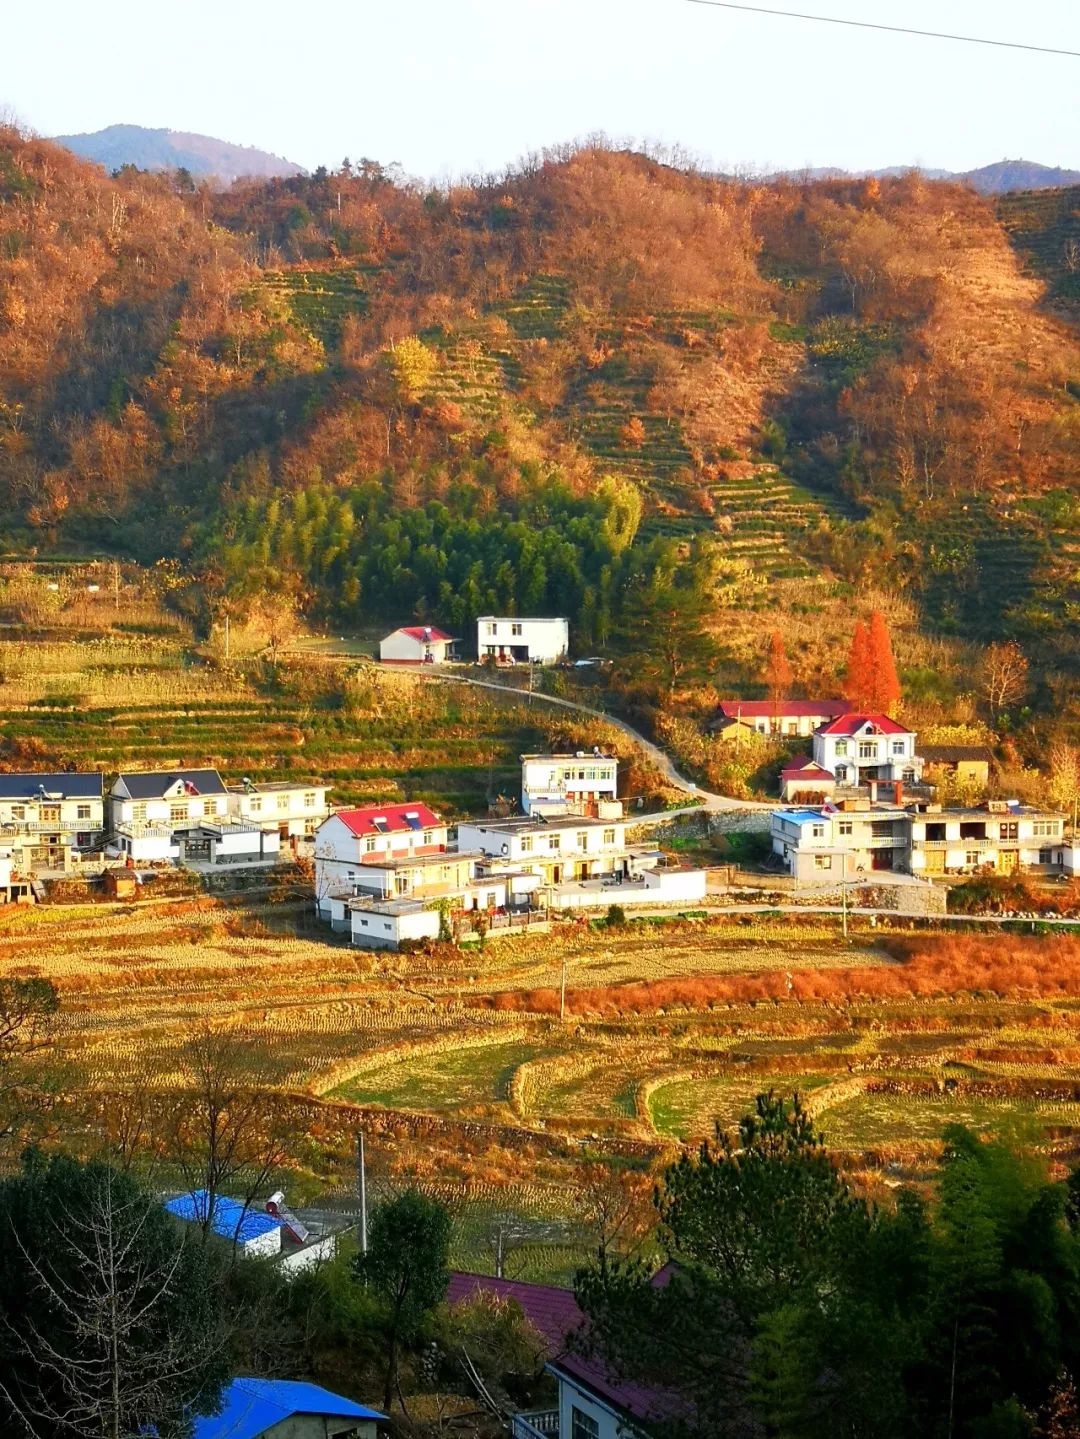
871,681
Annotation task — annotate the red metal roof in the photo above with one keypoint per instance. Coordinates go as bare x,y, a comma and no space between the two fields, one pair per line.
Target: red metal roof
394,817
850,724
805,765
796,709
554,1313
423,632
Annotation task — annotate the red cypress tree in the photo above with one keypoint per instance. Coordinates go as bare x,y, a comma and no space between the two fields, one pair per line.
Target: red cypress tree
885,688
858,678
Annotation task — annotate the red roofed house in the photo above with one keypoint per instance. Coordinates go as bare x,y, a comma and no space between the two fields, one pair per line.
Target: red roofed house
352,838
593,1402
417,645
858,748
780,717
805,782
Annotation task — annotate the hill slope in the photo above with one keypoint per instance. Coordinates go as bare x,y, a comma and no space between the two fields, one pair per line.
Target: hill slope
200,155
542,390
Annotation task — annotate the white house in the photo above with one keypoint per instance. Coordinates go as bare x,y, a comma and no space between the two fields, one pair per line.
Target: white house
777,717
569,783
830,843
353,838
521,641
225,842
1001,835
417,645
859,837
147,810
293,810
563,847
857,748
47,818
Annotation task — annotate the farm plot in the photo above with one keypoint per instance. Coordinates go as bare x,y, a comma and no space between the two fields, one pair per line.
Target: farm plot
670,1030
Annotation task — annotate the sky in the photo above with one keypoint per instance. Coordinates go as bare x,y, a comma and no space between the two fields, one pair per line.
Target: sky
449,87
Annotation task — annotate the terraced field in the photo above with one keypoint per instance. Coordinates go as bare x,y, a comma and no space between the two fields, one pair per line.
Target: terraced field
1044,225
463,754
320,300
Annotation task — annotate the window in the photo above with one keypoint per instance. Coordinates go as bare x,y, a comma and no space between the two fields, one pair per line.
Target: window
868,749
50,814
841,773
1046,856
823,861
492,899
283,801
427,836
845,826
490,628
898,746
971,856
138,812
554,841
583,839
841,746
209,808
309,799
609,836
256,805
178,813
1009,831
18,811
526,844
582,1425
82,811
401,884
818,831
515,629
793,727
369,844
1046,826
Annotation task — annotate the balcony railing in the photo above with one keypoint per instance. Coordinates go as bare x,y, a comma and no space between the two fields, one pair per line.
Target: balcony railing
539,1424
958,842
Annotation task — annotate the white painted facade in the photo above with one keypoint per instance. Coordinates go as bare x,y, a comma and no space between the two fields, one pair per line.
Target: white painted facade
522,641
559,783
868,753
293,810
418,645
385,924
145,843
174,807
1004,838
340,853
570,847
822,845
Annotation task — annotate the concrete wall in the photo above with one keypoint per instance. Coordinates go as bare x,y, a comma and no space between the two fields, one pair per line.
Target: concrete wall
371,930
316,1426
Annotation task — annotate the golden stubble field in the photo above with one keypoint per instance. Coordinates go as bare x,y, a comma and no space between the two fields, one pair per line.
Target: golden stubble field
669,1029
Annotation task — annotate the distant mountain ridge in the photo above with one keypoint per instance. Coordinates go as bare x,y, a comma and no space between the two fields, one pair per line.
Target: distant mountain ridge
996,179
201,155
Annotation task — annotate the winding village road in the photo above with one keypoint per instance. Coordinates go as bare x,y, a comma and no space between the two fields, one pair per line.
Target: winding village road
703,799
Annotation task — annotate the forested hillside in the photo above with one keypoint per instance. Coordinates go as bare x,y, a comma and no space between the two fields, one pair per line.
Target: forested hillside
550,389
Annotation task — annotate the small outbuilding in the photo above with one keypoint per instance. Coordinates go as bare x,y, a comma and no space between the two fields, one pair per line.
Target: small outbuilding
287,1409
417,645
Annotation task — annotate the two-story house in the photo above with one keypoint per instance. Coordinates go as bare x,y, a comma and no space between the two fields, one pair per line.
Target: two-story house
857,748
46,819
830,843
1000,835
294,810
508,640
353,838
553,784
562,848
148,810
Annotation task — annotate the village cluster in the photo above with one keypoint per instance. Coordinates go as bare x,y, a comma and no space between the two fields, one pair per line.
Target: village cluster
857,806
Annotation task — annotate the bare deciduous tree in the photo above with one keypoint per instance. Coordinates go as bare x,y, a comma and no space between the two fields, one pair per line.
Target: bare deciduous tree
1003,675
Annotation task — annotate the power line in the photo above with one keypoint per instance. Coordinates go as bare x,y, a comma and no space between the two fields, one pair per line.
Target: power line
892,29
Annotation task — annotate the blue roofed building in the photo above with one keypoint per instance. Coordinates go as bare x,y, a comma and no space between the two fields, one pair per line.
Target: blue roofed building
286,1409
252,1230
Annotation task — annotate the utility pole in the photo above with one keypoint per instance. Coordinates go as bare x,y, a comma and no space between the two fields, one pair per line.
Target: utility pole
226,636
361,1186
843,898
562,989
116,584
